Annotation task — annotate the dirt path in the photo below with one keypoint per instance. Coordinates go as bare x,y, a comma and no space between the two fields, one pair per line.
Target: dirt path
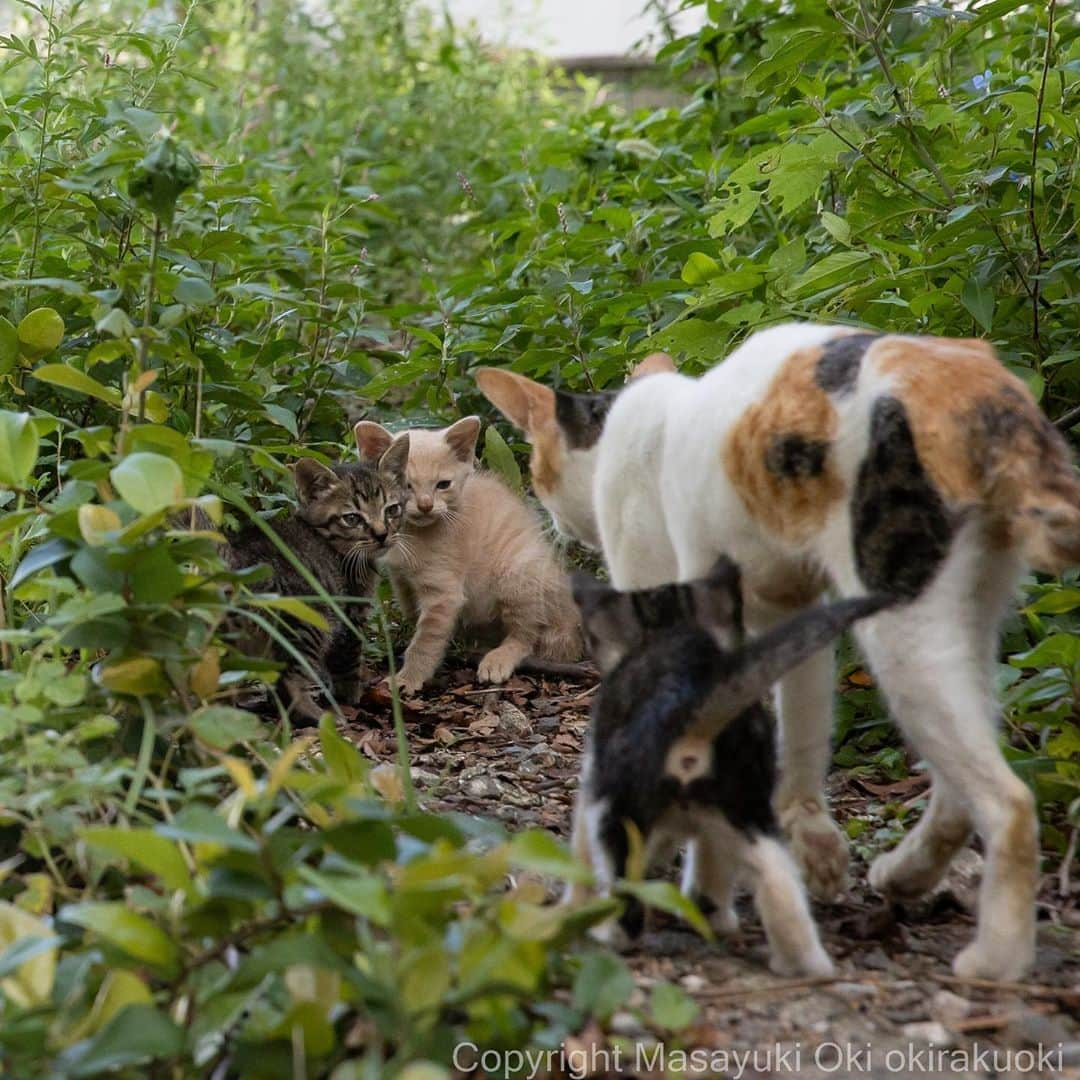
894,1010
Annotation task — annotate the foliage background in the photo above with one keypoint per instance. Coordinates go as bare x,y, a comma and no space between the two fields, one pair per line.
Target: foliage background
382,203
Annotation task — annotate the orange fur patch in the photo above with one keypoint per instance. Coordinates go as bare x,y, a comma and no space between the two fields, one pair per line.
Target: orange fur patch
546,459
792,506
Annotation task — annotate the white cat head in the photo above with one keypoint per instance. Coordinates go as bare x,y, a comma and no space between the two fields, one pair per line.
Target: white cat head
563,430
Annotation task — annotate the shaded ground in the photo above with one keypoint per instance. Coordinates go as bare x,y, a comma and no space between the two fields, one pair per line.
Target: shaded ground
894,1010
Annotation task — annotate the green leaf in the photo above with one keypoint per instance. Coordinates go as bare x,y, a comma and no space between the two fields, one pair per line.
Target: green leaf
699,268
127,930
18,448
359,892
539,851
978,298
70,378
1056,602
298,609
148,482
9,346
343,761
147,849
136,1035
603,984
666,896
198,824
282,417
139,676
1058,650
671,1007
194,292
830,271
40,332
500,459
28,951
221,726
837,227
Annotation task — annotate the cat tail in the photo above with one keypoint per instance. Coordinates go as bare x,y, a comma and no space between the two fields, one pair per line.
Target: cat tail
755,666
1034,491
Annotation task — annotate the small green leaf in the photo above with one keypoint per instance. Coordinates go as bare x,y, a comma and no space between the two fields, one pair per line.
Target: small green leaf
359,892
499,458
9,346
602,985
18,448
837,227
343,761
194,292
699,268
978,298
221,726
127,930
138,675
666,896
296,608
540,852
148,482
136,1035
671,1007
198,824
70,378
40,332
145,848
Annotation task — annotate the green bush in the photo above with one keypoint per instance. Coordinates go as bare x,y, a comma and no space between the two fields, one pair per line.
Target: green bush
222,237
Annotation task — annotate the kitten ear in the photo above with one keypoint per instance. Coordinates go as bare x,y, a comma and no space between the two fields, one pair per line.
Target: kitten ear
395,458
653,364
717,602
608,620
372,440
312,479
462,438
528,405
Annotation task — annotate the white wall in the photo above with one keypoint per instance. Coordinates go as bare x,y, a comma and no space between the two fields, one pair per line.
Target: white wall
564,27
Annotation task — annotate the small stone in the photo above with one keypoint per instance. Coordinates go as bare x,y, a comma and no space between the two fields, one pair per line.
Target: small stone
928,1031
480,787
626,1023
854,989
512,720
693,984
1030,1028
949,1009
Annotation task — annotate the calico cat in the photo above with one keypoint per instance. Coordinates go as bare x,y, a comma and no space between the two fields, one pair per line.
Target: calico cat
681,747
471,550
346,516
822,456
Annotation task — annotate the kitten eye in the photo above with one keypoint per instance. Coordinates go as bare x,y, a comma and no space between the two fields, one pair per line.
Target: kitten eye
393,510
442,485
352,520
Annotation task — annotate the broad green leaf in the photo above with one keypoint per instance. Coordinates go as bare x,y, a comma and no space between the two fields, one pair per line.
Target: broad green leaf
343,761
838,228
40,332
221,726
69,378
148,482
499,458
140,676
194,292
666,896
135,1036
9,346
360,892
1056,602
978,298
699,268
198,824
603,984
127,930
540,852
1058,650
671,1007
18,448
832,270
145,848
28,949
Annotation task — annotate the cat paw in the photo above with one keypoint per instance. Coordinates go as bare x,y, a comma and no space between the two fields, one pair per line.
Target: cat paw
407,684
1005,962
819,847
494,668
724,921
814,962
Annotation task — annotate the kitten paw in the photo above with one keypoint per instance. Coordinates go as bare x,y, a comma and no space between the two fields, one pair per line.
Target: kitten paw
611,933
815,962
407,684
819,847
890,875
494,668
724,921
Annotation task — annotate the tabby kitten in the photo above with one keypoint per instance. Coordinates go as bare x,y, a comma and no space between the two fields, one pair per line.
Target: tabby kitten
680,745
346,517
471,550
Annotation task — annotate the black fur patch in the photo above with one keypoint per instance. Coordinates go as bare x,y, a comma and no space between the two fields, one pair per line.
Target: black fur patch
795,456
902,527
838,367
581,416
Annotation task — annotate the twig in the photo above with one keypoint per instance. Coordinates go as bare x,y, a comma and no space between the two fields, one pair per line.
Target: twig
1055,993
1067,420
809,983
1039,253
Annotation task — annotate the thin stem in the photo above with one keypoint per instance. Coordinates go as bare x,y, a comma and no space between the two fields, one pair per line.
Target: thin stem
400,736
142,766
148,315
47,101
1039,253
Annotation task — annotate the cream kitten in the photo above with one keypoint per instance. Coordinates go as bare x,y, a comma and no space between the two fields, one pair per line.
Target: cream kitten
471,550
819,456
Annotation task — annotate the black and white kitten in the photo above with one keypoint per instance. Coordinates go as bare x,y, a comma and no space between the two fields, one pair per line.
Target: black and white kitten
681,746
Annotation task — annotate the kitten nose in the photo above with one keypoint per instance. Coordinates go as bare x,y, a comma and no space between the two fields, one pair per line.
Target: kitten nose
424,503
379,534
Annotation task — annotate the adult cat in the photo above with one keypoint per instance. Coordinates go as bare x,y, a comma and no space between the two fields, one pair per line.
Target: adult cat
819,455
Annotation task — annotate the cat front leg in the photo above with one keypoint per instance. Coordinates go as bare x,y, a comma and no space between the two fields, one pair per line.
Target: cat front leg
438,617
498,665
